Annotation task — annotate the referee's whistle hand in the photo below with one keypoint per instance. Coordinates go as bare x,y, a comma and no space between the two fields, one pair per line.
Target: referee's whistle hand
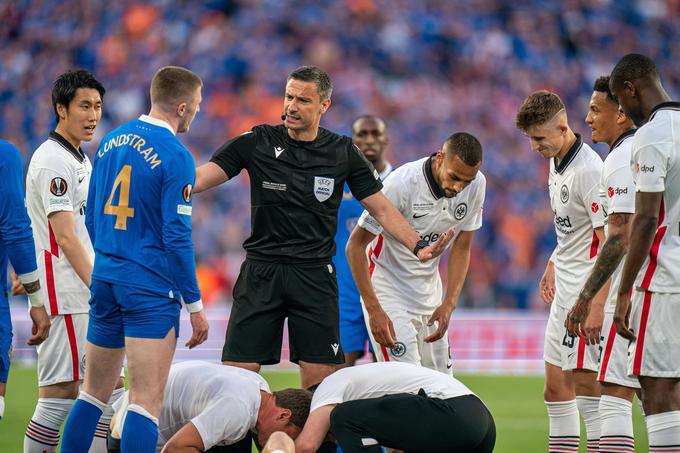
199,329
437,248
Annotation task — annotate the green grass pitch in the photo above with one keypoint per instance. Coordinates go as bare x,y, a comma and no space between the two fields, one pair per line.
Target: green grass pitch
515,402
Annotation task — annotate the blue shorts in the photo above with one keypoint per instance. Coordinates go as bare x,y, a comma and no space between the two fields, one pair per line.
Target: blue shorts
118,311
5,339
353,333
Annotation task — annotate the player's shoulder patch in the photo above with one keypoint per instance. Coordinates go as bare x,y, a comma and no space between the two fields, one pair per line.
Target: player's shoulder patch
58,186
187,192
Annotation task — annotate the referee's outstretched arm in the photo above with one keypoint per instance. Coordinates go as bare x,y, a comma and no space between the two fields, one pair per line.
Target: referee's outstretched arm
394,223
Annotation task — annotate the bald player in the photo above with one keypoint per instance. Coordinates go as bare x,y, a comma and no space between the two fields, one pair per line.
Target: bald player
369,134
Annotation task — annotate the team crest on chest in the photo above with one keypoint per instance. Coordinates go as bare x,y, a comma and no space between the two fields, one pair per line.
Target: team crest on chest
564,194
460,211
323,188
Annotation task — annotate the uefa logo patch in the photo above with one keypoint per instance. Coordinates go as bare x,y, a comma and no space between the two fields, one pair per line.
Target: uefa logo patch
58,186
460,211
187,192
399,349
323,188
564,194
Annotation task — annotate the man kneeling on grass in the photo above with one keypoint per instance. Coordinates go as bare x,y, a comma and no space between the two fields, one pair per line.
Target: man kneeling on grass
400,406
210,405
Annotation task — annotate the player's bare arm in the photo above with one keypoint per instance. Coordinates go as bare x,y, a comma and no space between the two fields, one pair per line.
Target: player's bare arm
592,327
315,430
394,223
380,324
186,440
279,442
459,261
199,329
63,225
642,230
41,321
546,287
208,176
613,251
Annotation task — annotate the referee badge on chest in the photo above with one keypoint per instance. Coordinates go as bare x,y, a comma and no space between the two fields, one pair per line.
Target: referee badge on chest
323,188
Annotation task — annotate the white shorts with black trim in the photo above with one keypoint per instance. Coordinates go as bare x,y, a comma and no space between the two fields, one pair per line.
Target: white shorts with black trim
564,351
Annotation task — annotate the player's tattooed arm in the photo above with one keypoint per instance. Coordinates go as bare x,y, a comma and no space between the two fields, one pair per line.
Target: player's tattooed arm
610,256
32,287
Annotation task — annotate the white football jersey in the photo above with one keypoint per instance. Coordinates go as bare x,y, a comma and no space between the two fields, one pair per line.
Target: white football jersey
617,194
395,271
58,179
221,401
656,168
373,380
574,187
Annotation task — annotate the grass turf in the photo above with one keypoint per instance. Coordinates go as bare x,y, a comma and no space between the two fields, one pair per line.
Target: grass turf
515,402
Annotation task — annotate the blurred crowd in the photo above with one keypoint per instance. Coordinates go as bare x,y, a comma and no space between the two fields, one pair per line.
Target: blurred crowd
429,67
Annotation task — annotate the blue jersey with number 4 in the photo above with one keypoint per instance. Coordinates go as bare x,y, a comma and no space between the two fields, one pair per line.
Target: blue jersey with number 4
139,210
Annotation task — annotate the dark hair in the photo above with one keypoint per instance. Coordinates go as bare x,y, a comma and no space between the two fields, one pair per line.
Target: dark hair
172,85
369,116
466,146
538,108
602,85
632,67
66,85
324,86
297,401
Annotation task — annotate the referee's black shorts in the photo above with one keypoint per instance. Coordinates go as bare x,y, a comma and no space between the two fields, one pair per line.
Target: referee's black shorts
414,424
265,294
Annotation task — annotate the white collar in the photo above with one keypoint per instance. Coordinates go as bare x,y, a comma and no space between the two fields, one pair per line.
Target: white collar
156,122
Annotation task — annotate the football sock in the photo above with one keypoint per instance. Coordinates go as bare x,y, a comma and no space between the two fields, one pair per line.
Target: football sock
140,431
664,432
101,432
564,426
81,424
616,415
2,406
42,433
589,408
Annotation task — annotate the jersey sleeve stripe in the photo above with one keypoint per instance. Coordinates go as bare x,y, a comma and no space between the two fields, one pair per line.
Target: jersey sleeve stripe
637,360
70,331
654,251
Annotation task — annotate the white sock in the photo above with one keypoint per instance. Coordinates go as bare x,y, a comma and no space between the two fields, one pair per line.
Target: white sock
564,426
616,430
100,435
42,434
2,406
589,408
664,432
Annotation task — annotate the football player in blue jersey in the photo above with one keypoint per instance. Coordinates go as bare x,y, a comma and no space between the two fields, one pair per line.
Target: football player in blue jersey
369,134
139,219
16,246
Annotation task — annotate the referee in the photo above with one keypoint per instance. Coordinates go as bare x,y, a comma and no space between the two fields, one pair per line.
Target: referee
297,173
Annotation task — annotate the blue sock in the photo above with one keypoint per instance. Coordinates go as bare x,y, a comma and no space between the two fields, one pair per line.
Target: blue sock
140,432
81,424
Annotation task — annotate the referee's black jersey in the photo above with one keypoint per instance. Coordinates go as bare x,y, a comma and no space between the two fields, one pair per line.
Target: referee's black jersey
295,189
